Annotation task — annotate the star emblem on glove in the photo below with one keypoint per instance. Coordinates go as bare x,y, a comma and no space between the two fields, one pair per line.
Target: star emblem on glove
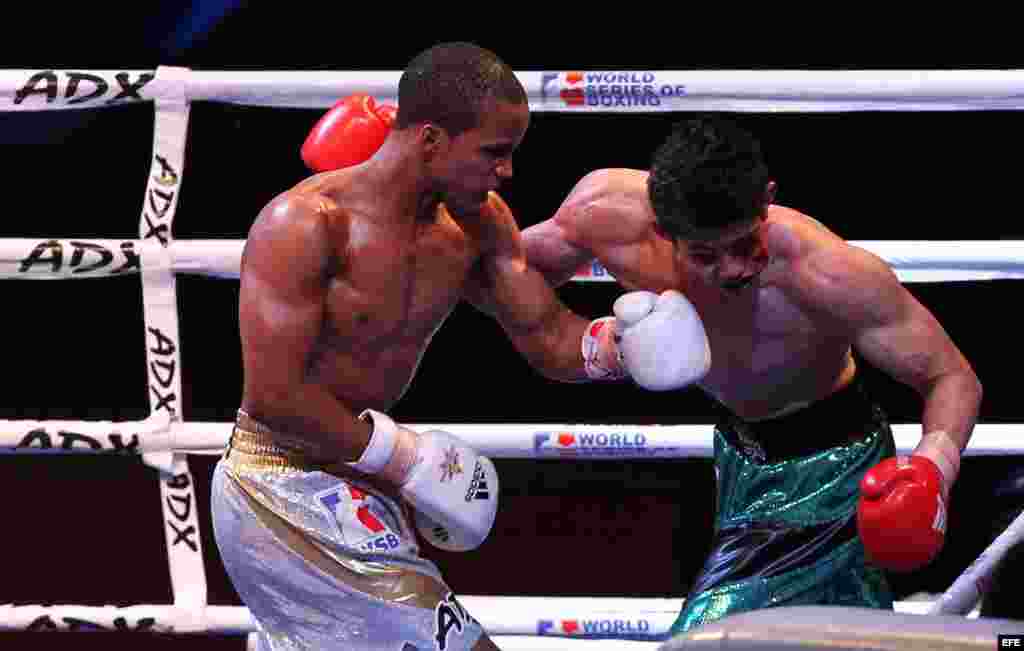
450,465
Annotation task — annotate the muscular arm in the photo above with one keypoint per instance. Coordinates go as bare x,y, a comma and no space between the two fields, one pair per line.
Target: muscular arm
898,335
606,216
552,251
504,286
281,313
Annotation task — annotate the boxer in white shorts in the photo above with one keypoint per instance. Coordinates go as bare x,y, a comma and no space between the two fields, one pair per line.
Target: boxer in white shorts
327,559
345,279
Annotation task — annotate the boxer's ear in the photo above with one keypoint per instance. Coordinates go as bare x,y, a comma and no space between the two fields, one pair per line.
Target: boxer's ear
432,138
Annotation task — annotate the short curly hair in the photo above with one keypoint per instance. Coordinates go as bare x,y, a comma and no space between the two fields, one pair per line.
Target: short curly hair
450,84
707,176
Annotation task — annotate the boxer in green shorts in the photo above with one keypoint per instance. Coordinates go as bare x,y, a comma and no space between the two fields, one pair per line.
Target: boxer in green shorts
790,310
785,531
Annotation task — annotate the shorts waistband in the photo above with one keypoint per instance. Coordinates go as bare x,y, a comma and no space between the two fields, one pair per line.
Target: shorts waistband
257,446
846,416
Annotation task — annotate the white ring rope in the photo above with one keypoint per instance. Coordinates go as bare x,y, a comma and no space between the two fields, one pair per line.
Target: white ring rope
564,617
975,581
511,441
164,437
619,91
54,257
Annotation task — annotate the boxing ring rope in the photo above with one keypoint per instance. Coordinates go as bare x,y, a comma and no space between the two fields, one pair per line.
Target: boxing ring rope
46,258
164,437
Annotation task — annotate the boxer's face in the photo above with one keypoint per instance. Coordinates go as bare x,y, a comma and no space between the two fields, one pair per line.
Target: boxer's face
730,259
476,161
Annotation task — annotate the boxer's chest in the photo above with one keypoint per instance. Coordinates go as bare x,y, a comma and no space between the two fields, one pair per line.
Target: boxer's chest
757,337
400,285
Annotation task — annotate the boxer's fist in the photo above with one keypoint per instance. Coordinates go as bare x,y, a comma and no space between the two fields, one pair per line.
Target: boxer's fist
901,514
348,134
661,340
453,489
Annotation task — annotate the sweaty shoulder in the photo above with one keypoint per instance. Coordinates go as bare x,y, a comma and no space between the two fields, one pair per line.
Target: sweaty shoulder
297,228
607,206
791,235
817,264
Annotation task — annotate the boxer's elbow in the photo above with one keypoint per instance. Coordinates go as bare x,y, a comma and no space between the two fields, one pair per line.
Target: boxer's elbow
549,250
968,384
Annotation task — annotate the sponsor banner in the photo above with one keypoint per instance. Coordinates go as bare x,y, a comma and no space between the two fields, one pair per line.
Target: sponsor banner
641,90
620,626
610,442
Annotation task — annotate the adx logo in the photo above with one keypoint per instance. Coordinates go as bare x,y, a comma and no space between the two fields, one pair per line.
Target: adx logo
78,87
83,258
65,440
160,199
141,625
605,89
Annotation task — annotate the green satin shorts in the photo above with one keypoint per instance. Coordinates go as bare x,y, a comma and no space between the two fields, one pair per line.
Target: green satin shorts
785,528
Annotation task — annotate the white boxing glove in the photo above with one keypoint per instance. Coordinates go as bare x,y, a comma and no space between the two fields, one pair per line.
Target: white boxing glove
452,488
661,340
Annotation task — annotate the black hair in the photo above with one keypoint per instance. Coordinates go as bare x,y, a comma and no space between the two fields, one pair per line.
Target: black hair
450,85
707,176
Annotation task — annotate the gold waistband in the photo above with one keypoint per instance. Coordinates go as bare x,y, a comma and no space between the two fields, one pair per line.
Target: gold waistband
256,452
254,446
257,446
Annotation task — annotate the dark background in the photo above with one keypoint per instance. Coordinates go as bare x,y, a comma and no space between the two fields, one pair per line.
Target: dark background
87,530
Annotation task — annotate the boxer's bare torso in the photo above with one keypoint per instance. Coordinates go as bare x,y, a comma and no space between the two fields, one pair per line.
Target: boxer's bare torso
387,285
777,344
371,290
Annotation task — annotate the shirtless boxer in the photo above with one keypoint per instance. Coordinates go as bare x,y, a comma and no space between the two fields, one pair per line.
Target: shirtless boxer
345,278
802,454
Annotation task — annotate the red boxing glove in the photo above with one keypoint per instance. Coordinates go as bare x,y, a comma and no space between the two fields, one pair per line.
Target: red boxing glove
387,112
901,515
348,134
